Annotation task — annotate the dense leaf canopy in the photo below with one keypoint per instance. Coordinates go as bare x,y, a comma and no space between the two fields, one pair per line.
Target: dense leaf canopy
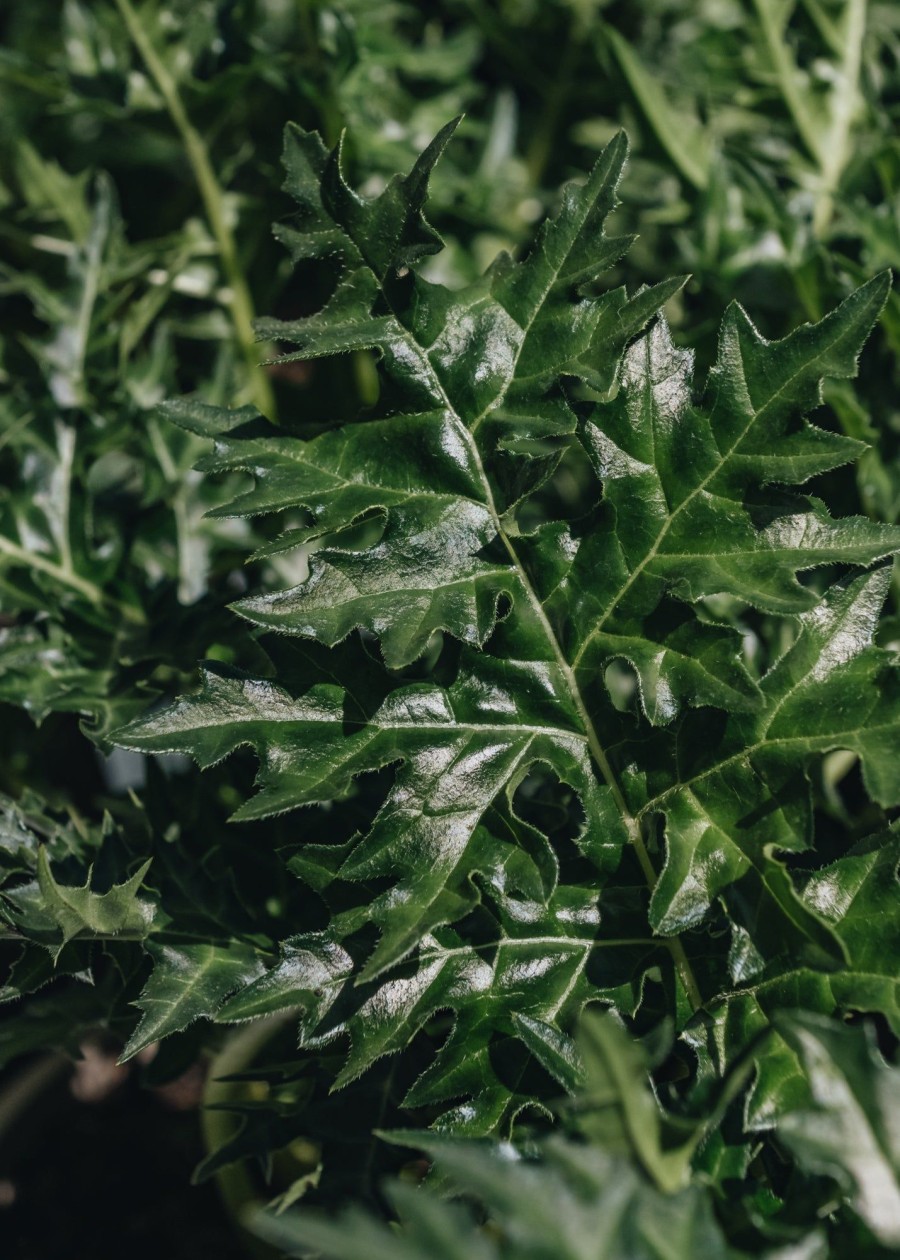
691,502
559,676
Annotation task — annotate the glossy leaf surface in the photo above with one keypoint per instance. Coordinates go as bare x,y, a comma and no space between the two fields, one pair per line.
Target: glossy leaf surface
752,740
415,528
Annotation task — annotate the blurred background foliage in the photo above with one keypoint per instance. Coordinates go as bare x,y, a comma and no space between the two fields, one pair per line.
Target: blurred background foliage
139,174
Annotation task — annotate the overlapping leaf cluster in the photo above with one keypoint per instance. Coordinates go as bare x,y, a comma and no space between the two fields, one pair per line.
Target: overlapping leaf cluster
584,699
582,1199
103,541
111,305
72,95
475,653
766,132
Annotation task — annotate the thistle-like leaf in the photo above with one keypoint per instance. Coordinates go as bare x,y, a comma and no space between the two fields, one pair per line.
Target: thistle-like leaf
433,519
52,911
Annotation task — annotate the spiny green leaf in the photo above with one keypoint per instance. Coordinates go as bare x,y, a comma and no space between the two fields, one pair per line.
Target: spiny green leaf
460,748
675,480
188,982
79,911
832,689
477,908
110,584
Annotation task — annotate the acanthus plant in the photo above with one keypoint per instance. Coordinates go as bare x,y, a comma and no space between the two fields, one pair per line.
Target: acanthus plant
540,766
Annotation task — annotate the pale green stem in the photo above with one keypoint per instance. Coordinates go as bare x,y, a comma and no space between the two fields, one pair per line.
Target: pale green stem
91,592
681,139
89,293
830,150
329,105
541,146
826,27
240,302
844,105
67,577
179,503
786,73
809,297
240,1194
66,446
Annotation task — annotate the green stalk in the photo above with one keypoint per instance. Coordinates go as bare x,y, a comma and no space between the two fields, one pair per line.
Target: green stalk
240,303
180,507
68,577
684,141
541,146
844,102
826,27
786,74
830,150
329,106
239,1192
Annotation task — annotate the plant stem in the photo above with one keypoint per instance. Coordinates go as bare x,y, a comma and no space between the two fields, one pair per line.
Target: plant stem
180,508
240,302
786,74
236,1186
830,149
329,107
91,592
844,101
683,141
632,825
825,25
93,262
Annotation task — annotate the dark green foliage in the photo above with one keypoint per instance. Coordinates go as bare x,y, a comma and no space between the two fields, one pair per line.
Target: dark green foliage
579,1198
559,676
454,898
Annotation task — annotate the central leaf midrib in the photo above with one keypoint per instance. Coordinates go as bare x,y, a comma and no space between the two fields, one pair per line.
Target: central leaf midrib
602,762
489,502
373,724
632,826
755,414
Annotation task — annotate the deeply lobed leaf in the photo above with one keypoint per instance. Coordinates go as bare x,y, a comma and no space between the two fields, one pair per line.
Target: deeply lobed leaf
473,905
